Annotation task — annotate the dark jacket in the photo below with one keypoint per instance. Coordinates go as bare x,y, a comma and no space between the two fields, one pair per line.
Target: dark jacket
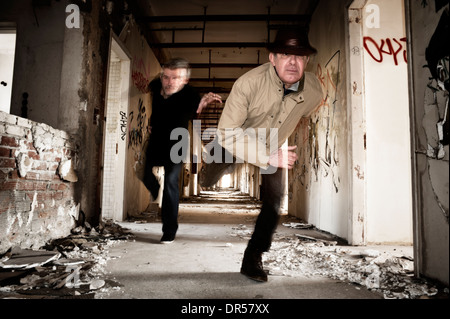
167,115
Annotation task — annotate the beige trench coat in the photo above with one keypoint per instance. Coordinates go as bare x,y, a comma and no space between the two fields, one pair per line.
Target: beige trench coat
257,119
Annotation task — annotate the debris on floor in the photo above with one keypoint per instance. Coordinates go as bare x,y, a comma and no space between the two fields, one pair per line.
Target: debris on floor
242,231
390,274
65,268
151,214
17,258
298,225
228,200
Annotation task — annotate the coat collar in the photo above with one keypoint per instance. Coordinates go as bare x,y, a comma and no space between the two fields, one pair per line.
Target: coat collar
297,96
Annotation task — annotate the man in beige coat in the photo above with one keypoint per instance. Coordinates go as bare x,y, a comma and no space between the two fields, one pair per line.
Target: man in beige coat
261,112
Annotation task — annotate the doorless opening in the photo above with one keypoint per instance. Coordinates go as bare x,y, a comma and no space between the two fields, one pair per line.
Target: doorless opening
7,52
382,198
115,137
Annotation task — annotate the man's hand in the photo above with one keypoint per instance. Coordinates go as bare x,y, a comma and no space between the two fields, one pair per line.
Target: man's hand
284,157
207,99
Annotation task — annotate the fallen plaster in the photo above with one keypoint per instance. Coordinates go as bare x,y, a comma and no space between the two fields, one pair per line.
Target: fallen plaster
70,267
388,272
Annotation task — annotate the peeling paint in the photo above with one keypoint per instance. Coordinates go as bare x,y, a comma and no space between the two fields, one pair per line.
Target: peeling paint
435,120
24,164
34,204
66,171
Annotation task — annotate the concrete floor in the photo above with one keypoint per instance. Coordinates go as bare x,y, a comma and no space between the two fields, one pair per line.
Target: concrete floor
204,262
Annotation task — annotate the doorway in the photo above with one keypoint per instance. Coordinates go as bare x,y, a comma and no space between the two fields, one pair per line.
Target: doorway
115,128
379,111
7,53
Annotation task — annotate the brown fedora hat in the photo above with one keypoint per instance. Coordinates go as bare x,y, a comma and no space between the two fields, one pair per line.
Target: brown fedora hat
292,41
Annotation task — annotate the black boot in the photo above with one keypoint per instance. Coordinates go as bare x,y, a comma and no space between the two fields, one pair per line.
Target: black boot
252,265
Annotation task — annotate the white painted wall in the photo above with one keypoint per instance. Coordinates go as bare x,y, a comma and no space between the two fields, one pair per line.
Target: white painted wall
353,176
318,186
144,67
388,166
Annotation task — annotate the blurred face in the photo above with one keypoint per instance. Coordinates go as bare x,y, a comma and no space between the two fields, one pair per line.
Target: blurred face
290,68
173,81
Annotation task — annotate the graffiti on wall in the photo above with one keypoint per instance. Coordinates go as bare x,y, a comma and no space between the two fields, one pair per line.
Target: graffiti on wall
137,130
319,133
435,121
379,50
123,125
140,75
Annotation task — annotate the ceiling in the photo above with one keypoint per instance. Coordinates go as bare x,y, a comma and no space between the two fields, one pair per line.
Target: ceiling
222,39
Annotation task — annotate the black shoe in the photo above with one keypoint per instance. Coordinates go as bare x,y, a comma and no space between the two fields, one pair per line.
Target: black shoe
252,265
167,239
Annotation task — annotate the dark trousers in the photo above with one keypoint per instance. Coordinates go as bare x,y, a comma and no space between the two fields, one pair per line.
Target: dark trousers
271,197
171,194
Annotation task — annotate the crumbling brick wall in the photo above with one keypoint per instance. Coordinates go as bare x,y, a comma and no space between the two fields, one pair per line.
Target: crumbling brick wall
36,183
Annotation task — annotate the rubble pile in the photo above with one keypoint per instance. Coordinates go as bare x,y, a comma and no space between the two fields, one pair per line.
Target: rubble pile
388,273
65,268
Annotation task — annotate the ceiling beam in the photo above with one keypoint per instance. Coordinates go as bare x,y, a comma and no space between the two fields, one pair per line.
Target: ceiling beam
236,17
212,79
209,45
223,65
207,89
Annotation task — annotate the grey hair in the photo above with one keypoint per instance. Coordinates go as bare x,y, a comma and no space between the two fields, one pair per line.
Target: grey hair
177,63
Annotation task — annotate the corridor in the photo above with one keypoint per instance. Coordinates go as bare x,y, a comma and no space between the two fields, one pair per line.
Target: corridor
204,260
366,205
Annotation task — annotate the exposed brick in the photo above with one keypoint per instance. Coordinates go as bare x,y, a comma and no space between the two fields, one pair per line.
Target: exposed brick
58,186
5,152
53,167
13,175
32,176
51,157
39,166
3,175
47,176
34,155
5,202
9,141
30,146
58,196
8,185
26,185
43,197
7,163
42,186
